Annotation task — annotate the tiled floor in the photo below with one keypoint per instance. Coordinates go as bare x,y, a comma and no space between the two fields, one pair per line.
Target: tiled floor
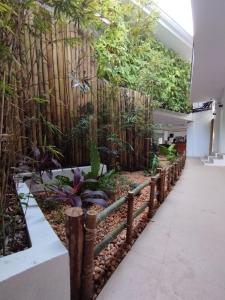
181,253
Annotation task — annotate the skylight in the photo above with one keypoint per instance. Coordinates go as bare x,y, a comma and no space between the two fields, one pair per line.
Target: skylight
180,11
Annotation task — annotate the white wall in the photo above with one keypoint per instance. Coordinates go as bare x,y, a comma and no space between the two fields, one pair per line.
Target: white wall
198,134
219,129
42,271
178,133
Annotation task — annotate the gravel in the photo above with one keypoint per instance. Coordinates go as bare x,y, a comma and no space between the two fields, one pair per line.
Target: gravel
108,260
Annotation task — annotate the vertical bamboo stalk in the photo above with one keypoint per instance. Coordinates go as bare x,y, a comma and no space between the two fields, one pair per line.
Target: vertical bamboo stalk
176,175
151,198
162,185
180,167
159,186
130,208
169,179
88,258
173,174
75,238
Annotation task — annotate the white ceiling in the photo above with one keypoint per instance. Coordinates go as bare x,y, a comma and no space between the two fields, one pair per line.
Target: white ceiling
180,11
208,70
173,36
169,119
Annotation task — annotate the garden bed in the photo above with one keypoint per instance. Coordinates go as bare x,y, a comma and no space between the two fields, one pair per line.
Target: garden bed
16,236
40,262
107,261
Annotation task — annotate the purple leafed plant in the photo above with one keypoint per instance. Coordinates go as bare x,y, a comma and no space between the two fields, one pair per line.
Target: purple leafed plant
76,195
42,160
45,162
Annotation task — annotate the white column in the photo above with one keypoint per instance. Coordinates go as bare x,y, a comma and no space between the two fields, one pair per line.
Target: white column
221,124
216,129
166,134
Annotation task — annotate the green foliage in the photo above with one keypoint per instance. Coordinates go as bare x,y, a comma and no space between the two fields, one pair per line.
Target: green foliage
107,182
153,164
170,85
62,180
94,160
82,123
129,55
170,152
138,118
118,143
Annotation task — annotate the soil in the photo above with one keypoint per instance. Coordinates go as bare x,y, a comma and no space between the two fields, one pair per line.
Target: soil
108,260
16,236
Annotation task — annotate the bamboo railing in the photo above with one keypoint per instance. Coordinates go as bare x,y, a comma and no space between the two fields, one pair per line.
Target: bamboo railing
160,185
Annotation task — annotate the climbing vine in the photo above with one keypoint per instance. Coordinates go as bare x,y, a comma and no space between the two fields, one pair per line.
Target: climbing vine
129,55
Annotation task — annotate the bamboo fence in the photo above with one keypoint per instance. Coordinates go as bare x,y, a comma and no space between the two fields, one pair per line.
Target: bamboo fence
159,185
56,65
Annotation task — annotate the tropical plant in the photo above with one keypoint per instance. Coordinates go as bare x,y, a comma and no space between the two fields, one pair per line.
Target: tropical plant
76,194
42,160
94,160
153,164
170,152
107,182
112,150
129,55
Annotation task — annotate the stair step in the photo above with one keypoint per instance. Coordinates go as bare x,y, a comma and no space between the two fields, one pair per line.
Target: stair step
215,159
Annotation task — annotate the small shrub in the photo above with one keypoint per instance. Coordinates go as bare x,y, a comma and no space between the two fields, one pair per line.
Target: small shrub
170,152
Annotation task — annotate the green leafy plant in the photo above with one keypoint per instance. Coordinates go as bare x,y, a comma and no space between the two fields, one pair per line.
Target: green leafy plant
129,55
170,152
94,160
107,182
153,163
111,151
76,194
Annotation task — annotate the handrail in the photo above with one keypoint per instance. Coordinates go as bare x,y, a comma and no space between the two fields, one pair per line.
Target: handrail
81,232
117,204
112,235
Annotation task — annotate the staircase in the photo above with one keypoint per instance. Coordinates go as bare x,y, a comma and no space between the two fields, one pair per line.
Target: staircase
214,160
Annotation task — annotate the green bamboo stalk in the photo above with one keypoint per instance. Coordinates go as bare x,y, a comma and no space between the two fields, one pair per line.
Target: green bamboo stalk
113,207
140,210
109,238
117,204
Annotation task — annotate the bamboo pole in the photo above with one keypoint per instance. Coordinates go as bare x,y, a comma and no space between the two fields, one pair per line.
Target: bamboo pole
172,175
162,185
75,238
151,198
109,238
180,167
130,208
88,258
176,175
169,179
159,185
116,205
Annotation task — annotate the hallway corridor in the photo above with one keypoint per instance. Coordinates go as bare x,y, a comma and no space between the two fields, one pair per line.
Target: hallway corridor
181,252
